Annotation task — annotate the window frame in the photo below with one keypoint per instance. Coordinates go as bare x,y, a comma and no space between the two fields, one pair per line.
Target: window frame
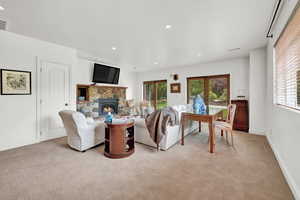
155,88
206,86
274,67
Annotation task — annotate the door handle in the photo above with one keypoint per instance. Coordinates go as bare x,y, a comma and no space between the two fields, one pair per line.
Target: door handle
66,104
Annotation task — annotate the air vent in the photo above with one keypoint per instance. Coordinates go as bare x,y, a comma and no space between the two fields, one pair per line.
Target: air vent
2,25
235,49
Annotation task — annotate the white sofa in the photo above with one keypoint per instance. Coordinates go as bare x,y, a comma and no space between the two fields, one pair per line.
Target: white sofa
173,132
82,134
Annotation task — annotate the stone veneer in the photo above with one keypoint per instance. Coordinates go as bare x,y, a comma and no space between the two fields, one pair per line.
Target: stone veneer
90,108
106,92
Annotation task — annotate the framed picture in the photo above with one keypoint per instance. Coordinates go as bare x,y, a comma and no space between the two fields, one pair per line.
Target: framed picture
15,82
175,87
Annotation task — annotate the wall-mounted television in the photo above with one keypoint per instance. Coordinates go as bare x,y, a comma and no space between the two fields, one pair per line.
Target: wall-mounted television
106,74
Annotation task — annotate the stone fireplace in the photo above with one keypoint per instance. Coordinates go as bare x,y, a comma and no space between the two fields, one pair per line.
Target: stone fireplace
95,100
108,105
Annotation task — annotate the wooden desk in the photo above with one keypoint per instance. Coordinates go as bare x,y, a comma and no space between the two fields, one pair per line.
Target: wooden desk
209,118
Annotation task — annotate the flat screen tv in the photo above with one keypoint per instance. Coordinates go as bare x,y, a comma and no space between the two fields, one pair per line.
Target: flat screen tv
106,74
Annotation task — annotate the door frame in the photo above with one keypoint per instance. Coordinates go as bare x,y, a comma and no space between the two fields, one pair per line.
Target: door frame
155,89
39,63
206,83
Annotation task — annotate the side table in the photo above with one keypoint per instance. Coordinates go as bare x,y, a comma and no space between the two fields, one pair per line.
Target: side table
119,140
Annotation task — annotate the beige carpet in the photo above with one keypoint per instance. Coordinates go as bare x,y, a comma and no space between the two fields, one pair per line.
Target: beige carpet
51,170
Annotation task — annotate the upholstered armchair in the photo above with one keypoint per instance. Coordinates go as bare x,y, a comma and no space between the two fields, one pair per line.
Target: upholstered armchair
82,134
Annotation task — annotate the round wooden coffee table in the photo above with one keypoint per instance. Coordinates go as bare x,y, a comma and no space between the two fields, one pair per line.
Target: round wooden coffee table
119,140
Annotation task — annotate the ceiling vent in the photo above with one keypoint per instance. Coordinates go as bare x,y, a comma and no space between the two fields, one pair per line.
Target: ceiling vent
2,25
235,49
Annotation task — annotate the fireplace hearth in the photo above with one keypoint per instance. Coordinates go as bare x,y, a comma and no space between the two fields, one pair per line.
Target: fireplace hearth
108,105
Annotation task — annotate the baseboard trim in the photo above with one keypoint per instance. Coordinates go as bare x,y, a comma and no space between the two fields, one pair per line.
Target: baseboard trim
257,132
291,182
43,139
18,146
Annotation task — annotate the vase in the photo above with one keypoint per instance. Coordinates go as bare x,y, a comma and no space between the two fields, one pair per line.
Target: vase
198,105
109,117
196,108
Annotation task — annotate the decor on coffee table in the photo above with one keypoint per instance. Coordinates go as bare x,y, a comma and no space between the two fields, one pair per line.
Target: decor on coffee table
109,117
175,87
15,82
119,139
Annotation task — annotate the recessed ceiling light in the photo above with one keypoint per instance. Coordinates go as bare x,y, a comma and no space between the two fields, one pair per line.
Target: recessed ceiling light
1,8
199,54
114,48
155,63
168,26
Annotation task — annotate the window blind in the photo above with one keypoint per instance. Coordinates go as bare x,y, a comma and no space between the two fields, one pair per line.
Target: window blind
287,64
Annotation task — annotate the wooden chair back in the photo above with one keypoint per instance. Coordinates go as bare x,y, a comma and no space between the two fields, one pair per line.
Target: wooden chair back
230,114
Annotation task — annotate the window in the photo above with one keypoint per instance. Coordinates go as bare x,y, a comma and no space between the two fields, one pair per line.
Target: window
213,89
298,88
287,64
155,92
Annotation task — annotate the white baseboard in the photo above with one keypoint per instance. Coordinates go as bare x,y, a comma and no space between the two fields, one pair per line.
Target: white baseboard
42,139
17,145
290,180
257,131
53,135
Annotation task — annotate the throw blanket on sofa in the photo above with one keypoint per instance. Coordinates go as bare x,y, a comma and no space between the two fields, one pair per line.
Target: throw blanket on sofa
157,122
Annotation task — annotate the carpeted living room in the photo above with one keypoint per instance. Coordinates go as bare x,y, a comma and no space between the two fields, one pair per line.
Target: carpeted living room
50,170
149,99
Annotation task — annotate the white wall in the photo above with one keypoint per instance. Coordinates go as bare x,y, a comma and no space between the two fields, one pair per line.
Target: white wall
18,120
283,127
18,112
237,68
257,90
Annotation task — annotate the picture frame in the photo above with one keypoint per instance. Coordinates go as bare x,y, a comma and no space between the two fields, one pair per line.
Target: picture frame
15,82
175,87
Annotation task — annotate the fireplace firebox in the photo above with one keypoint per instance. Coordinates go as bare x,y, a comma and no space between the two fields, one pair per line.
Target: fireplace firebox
108,105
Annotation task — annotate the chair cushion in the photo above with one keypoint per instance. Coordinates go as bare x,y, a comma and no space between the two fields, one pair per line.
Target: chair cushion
221,124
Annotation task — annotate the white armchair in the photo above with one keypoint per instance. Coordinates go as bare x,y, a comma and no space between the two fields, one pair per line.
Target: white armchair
82,134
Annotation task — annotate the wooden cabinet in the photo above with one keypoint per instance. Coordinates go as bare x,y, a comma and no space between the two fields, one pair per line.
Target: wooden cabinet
241,121
119,140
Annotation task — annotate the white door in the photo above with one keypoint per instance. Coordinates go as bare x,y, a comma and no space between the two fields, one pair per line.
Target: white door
54,97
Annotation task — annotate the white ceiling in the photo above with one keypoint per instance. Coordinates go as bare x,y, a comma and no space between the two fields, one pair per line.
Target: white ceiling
137,28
